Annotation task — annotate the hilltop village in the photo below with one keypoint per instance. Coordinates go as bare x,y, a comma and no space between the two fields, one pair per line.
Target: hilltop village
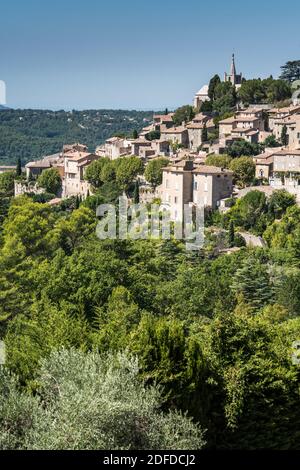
205,156
139,342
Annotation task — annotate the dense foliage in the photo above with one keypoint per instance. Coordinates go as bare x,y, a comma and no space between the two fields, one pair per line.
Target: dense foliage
214,332
88,401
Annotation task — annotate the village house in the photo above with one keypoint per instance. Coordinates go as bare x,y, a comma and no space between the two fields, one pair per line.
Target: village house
176,189
115,147
163,120
292,123
35,168
263,165
75,164
239,124
210,185
175,135
146,130
161,147
251,135
195,129
185,183
286,171
279,113
138,144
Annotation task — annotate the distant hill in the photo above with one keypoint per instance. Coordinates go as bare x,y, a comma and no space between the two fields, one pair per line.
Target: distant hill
31,134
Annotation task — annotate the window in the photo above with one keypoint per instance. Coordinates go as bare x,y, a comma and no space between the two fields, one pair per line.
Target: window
175,199
195,185
167,183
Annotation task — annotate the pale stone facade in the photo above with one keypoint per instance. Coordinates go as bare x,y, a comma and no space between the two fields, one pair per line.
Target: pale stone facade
115,147
292,124
185,183
275,114
177,188
240,123
210,185
35,168
263,165
75,164
176,135
286,171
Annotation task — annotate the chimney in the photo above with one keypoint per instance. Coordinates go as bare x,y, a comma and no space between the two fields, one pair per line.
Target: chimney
188,165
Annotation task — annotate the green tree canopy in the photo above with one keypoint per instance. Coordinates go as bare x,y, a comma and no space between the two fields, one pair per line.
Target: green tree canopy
243,170
221,161
91,402
243,148
214,81
153,171
183,114
97,170
291,71
7,183
260,91
127,169
50,180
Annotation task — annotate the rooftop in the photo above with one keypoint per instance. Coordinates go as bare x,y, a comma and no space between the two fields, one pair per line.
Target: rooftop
38,164
173,130
207,169
77,155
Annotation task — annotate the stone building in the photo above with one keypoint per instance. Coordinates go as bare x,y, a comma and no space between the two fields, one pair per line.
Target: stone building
195,129
175,135
201,96
115,147
184,183
292,123
232,76
263,165
275,114
35,168
286,171
210,185
75,164
241,124
177,188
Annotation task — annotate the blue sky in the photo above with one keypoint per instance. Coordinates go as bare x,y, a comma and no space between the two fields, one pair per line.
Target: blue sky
137,54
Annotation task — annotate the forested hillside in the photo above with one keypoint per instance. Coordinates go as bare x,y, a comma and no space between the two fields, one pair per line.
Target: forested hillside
31,134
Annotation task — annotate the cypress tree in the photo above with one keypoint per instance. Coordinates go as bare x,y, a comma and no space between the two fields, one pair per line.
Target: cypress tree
204,135
136,193
19,167
231,234
284,136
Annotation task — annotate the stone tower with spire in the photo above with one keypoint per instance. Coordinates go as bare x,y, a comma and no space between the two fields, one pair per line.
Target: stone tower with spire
233,77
